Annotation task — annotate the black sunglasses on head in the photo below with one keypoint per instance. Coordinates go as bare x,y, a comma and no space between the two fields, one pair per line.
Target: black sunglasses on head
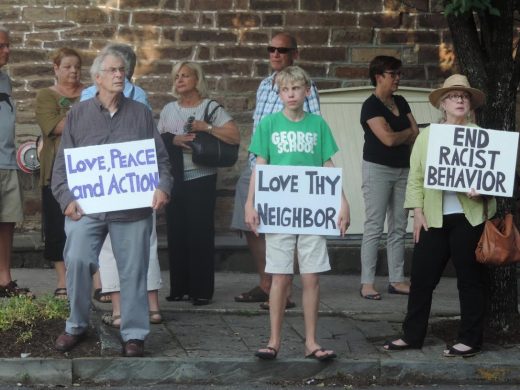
281,50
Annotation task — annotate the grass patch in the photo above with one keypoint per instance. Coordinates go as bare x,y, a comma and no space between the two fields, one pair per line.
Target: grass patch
23,314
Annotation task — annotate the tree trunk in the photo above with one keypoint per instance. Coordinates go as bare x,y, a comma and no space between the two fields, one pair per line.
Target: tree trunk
485,56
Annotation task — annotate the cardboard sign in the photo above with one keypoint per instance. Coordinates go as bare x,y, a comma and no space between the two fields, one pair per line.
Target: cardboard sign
298,200
113,177
461,158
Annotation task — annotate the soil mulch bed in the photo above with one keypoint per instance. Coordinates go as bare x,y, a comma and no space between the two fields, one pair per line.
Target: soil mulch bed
42,342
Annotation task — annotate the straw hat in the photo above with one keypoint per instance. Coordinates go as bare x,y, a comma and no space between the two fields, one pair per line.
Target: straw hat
457,82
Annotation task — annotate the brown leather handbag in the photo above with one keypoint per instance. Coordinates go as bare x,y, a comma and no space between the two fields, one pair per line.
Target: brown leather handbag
500,241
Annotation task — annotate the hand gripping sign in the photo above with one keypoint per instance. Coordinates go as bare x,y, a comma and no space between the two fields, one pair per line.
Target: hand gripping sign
298,200
460,158
112,177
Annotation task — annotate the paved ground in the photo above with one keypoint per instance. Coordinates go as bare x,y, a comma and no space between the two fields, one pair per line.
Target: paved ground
216,343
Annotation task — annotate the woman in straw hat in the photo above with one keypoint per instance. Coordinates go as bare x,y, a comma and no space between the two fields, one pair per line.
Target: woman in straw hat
390,129
446,225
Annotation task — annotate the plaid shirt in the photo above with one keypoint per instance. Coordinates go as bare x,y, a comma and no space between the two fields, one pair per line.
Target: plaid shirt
268,102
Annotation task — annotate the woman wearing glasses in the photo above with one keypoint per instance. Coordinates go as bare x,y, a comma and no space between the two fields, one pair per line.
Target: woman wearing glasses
446,225
390,129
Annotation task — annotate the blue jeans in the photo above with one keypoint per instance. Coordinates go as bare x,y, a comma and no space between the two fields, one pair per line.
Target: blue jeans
131,246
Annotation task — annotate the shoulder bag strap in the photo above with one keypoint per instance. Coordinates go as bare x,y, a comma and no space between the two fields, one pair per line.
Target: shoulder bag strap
208,116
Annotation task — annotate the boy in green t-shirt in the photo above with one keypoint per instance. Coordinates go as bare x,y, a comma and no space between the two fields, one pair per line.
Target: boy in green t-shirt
294,137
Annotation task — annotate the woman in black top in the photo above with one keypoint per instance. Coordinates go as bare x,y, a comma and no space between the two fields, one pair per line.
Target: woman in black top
390,129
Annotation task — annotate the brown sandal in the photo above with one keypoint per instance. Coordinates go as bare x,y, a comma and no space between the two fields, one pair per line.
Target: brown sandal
102,297
61,293
254,295
12,290
110,320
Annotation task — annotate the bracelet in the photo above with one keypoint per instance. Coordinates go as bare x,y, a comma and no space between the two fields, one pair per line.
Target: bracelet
210,129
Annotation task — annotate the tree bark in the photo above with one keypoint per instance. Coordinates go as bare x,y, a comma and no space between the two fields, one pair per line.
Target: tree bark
485,55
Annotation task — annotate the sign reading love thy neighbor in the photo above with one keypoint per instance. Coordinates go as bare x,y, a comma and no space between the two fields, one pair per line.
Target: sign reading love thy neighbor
298,200
460,158
112,177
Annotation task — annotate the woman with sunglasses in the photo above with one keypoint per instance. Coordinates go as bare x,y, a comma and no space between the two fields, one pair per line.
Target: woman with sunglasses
390,129
447,225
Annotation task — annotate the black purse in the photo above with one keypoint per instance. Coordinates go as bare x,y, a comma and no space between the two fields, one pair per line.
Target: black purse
206,149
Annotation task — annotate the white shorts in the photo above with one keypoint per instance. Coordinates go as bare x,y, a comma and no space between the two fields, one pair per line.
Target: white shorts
311,249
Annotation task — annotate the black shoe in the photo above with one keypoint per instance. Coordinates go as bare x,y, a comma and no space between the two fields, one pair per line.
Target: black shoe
391,346
452,352
177,298
201,301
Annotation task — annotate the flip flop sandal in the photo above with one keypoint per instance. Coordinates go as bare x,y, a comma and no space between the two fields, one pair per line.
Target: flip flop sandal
61,293
267,355
155,317
321,358
393,290
102,297
371,297
254,295
110,320
12,290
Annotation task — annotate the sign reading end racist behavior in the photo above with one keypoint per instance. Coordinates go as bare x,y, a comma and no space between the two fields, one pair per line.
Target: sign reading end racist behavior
298,200
461,158
112,177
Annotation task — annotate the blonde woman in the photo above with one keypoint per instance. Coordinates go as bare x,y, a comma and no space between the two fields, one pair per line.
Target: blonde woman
190,214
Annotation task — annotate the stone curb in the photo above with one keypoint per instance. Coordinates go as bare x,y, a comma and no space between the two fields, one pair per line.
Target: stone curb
225,371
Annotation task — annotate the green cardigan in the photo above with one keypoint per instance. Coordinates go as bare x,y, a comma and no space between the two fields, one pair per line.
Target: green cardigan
51,108
430,200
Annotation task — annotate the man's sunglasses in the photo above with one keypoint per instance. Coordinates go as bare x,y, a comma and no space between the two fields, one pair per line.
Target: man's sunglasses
281,50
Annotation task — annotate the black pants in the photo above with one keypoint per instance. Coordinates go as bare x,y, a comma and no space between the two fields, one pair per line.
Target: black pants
53,222
191,238
457,240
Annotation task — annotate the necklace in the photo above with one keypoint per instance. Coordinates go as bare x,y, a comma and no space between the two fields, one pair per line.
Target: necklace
390,105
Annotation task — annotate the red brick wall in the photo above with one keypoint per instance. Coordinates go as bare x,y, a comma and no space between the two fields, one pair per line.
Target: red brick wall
337,39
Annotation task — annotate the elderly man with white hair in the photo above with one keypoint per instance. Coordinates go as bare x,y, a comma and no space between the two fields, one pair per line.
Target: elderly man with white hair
108,118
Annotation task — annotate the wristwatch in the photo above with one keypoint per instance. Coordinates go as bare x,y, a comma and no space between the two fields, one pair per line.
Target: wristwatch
210,129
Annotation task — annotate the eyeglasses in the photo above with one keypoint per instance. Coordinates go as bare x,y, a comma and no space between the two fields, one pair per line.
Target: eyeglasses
4,46
455,97
393,73
281,50
113,71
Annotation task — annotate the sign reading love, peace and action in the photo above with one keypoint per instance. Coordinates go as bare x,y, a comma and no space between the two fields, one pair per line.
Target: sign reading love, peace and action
298,200
460,158
112,177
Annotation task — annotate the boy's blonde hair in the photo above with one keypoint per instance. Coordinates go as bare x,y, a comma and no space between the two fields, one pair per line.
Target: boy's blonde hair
292,74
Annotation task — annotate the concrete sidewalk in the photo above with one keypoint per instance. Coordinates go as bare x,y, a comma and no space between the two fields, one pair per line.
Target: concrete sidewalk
216,343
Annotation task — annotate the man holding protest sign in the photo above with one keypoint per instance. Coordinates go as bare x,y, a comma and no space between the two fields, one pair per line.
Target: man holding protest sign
108,119
106,281
283,50
447,225
294,137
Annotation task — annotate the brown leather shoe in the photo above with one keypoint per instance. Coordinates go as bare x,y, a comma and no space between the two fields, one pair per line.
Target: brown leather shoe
66,341
133,348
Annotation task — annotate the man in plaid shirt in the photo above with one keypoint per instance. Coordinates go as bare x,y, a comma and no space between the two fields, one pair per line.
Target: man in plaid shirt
283,50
